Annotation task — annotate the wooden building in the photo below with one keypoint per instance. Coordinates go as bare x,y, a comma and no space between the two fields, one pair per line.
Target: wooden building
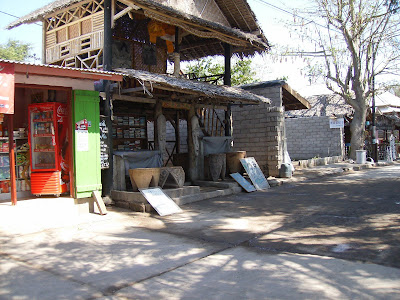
139,38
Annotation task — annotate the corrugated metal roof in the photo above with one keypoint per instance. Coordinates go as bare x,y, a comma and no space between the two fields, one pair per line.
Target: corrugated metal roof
94,71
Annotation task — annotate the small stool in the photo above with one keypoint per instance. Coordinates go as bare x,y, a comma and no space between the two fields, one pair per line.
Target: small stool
142,178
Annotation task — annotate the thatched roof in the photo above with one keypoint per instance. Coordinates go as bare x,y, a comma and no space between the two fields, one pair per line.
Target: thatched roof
206,36
41,13
323,105
225,94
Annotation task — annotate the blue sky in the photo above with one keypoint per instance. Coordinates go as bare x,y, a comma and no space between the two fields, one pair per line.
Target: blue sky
29,33
271,21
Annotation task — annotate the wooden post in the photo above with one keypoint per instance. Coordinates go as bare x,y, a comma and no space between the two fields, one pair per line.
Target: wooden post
193,170
177,57
228,81
12,159
157,113
107,174
227,73
44,30
177,134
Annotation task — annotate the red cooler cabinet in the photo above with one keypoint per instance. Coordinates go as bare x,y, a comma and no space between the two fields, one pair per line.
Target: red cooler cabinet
48,144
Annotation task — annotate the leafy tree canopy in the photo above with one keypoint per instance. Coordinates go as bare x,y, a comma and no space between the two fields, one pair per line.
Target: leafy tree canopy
353,41
15,50
241,72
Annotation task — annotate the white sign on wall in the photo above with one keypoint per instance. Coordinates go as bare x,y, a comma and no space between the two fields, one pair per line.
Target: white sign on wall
82,140
336,123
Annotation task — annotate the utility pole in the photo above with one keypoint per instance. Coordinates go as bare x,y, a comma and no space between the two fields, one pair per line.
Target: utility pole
373,133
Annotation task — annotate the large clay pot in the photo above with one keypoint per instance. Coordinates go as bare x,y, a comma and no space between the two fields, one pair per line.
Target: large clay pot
142,178
233,163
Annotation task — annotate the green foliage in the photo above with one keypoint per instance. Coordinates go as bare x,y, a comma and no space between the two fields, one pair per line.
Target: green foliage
15,50
284,78
241,71
205,67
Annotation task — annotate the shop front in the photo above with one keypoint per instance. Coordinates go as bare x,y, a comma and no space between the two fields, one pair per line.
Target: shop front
49,129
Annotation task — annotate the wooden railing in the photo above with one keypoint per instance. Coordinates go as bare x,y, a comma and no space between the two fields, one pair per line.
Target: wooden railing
211,123
217,79
74,47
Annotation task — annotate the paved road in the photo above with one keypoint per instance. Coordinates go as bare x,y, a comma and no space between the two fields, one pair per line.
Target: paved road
337,237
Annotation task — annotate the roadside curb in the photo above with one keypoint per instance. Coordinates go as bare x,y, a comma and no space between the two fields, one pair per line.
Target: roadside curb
306,174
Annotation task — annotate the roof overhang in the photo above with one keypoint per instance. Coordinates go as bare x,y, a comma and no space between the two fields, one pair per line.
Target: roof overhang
62,72
291,99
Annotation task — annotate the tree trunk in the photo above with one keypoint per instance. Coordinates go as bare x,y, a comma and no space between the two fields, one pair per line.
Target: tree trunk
357,129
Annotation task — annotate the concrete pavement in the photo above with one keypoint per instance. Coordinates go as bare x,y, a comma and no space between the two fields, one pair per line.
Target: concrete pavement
132,257
203,252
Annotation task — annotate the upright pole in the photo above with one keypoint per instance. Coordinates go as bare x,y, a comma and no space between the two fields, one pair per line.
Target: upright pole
373,133
107,174
44,42
12,159
228,71
177,57
228,81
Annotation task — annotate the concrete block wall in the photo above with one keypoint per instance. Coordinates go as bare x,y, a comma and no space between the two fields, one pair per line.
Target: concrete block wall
312,137
258,130
273,93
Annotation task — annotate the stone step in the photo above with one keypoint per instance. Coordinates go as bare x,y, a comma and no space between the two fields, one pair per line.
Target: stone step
226,184
137,202
207,194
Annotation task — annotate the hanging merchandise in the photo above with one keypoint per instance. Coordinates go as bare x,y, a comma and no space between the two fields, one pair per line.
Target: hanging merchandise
167,32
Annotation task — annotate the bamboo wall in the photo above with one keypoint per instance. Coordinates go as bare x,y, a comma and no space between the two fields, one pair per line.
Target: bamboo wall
74,37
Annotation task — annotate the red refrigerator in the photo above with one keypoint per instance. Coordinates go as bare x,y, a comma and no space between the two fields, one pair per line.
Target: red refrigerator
48,144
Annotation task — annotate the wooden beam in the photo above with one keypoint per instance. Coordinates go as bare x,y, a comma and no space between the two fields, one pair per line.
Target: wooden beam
122,13
133,99
130,4
99,202
112,13
55,14
198,44
74,22
296,95
130,90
